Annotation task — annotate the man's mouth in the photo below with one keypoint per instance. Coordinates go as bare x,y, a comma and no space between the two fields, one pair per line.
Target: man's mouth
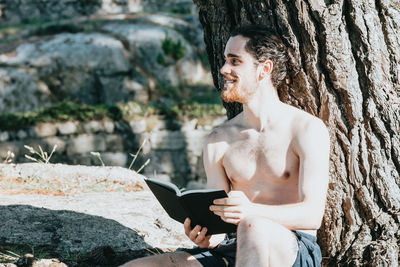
228,82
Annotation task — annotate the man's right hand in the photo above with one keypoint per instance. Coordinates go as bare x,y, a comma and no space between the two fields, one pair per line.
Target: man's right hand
197,234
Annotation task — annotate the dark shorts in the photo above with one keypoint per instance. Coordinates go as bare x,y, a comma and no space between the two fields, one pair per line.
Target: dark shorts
309,254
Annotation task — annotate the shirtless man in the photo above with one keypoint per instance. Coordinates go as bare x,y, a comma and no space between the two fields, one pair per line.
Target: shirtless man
272,159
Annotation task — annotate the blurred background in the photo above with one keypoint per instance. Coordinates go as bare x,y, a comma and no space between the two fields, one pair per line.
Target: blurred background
99,82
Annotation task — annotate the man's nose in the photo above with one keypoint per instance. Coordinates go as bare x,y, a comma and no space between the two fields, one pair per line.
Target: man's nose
225,69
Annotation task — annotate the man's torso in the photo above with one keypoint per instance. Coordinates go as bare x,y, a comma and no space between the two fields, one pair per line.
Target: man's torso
265,164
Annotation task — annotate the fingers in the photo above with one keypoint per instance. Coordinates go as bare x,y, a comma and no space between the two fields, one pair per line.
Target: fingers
232,209
193,234
229,201
201,236
232,215
197,234
187,227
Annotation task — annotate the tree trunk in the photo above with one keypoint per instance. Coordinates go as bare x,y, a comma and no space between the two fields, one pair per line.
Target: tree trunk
348,53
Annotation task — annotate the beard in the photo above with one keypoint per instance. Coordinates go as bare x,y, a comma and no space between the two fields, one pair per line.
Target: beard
236,93
232,95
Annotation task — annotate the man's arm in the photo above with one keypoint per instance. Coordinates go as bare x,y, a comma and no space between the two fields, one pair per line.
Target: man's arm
312,146
213,153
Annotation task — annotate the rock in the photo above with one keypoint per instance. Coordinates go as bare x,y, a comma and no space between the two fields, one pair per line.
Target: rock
67,172
189,26
145,42
72,64
93,127
140,139
156,124
168,162
21,90
194,140
113,62
219,121
119,223
4,136
21,134
12,146
108,126
49,263
115,158
55,141
85,143
45,129
189,125
114,143
138,126
66,128
19,11
167,140
35,143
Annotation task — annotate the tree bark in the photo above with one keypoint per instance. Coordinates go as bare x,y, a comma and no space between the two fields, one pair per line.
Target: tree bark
348,53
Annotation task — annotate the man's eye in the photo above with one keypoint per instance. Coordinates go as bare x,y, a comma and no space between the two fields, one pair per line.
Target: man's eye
235,61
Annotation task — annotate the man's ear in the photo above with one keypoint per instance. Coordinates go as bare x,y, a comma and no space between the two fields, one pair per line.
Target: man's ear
266,69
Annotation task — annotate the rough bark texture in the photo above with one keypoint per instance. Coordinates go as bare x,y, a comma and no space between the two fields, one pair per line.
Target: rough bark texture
348,53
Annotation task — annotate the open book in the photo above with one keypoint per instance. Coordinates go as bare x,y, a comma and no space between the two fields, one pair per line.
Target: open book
193,204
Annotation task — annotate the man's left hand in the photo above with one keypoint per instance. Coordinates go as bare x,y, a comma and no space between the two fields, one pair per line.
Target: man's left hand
233,208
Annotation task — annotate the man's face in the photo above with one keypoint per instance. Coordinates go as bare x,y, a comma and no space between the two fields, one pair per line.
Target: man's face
239,71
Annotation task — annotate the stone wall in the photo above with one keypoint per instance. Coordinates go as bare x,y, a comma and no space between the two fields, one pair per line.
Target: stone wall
21,11
174,155
115,61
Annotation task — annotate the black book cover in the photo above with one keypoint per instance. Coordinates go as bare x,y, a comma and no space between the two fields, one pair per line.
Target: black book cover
193,204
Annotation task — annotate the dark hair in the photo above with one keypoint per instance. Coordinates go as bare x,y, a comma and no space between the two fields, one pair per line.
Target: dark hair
264,44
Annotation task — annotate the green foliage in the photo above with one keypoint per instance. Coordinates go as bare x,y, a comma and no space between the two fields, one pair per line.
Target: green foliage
198,110
161,60
56,28
173,49
175,108
60,112
172,92
180,9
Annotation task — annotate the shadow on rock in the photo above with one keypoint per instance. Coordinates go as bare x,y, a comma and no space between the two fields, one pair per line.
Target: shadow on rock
75,238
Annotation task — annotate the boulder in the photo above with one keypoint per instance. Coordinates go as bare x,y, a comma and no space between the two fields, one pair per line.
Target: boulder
19,11
124,225
187,25
127,223
67,127
86,143
21,89
146,46
91,67
4,136
45,129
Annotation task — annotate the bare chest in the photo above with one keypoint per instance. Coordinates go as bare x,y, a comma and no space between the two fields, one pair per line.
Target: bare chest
255,157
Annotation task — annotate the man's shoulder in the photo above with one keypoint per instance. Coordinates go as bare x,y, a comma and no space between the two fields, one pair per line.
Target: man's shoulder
309,133
225,131
303,120
306,125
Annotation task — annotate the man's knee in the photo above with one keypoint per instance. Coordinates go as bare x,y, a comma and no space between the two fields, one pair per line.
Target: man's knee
257,225
267,241
264,231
